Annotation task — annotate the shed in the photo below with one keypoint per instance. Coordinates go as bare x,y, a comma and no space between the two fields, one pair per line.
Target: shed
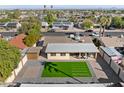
33,53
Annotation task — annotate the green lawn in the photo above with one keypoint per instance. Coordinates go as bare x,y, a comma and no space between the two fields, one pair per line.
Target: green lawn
66,69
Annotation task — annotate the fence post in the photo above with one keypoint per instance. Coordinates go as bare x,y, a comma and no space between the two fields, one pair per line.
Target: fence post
119,71
22,62
110,61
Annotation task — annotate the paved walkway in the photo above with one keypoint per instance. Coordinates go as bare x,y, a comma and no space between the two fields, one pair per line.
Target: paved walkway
31,73
103,72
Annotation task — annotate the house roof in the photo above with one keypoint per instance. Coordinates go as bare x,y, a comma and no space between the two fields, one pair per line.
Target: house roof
34,49
17,41
45,24
110,51
2,24
71,47
11,24
112,41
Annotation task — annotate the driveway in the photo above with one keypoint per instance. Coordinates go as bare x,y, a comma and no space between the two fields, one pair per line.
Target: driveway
30,72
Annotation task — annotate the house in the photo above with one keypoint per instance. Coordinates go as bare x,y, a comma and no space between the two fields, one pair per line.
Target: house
67,51
44,25
17,41
110,54
64,25
10,25
33,53
13,25
2,25
112,41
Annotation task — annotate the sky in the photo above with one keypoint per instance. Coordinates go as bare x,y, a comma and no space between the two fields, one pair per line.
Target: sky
62,6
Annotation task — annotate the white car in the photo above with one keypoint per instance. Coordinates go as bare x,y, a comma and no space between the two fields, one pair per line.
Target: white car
96,34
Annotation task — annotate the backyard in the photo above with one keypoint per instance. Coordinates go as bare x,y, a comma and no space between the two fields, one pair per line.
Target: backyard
66,69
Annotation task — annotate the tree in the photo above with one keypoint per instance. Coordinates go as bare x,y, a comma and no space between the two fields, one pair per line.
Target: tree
32,37
73,19
24,27
30,23
5,20
9,59
15,14
116,21
50,18
87,24
104,22
96,42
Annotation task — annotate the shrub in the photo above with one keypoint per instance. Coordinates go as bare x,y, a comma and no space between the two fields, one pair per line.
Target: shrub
9,59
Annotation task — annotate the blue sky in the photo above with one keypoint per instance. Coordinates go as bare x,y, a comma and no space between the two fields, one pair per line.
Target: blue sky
61,6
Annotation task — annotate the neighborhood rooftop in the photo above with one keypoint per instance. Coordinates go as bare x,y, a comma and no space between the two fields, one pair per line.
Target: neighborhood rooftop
113,41
111,51
17,41
71,47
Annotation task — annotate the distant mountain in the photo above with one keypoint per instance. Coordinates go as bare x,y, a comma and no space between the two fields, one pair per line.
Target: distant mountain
10,7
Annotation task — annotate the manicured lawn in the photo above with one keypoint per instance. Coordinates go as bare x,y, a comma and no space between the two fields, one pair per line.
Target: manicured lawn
66,69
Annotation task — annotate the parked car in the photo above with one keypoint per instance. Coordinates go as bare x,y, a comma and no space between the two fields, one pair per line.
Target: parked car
96,34
111,28
52,30
88,32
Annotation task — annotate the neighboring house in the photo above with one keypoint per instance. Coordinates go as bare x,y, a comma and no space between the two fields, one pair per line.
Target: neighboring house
3,16
44,25
64,25
17,41
8,35
112,41
10,25
23,16
110,53
68,51
2,25
13,25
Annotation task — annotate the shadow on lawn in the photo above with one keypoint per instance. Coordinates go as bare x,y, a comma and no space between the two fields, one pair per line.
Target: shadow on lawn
51,66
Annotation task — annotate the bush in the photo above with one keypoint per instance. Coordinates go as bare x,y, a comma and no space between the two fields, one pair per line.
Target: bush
96,42
32,37
9,59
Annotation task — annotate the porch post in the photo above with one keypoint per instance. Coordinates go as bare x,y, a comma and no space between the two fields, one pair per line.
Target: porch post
86,55
79,55
95,55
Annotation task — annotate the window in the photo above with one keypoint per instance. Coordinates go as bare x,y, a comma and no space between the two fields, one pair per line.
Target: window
63,54
53,54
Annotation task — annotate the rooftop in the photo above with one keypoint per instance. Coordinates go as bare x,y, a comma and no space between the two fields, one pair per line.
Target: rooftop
65,39
111,51
71,47
17,41
113,41
34,49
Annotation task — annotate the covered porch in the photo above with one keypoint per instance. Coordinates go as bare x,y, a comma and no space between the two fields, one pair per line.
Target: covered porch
83,55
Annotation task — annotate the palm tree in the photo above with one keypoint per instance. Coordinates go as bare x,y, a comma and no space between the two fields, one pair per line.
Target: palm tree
104,22
44,8
51,6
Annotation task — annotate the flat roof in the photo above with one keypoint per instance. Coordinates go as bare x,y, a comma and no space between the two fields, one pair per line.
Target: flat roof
110,51
34,49
113,41
71,47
